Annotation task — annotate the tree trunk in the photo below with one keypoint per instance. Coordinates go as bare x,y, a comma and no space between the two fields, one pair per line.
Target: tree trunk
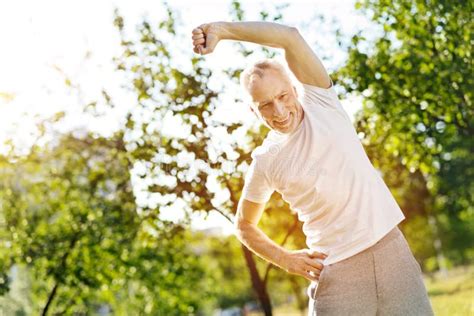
301,298
62,267
257,282
438,246
50,299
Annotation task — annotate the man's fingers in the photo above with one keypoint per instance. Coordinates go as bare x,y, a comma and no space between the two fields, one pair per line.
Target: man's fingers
204,50
313,270
198,49
197,30
204,39
198,42
198,36
317,254
311,276
200,29
314,264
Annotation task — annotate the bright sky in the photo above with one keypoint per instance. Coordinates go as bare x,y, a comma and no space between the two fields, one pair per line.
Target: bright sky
40,37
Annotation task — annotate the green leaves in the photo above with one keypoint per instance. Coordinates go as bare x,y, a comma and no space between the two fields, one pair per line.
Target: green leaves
73,222
421,94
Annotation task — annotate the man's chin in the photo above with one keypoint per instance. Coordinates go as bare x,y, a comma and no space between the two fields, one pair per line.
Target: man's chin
282,130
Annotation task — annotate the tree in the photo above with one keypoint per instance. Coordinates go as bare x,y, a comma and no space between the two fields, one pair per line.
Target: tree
179,168
417,117
68,214
66,219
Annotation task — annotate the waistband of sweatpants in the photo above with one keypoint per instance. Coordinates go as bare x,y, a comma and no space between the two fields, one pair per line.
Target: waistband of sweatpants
392,234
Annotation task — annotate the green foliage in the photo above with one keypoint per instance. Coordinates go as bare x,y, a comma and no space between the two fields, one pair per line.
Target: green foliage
70,223
417,118
223,256
69,215
163,89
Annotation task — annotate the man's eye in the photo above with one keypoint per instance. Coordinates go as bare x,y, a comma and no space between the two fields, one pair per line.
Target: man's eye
284,96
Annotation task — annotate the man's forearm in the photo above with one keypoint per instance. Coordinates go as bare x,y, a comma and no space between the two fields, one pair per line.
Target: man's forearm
256,240
263,33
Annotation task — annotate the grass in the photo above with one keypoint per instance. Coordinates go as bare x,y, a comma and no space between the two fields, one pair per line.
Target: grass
450,295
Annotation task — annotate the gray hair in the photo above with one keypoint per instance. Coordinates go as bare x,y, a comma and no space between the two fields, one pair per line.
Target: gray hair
258,68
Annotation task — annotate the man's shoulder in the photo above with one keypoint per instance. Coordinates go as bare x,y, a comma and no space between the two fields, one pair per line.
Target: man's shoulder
323,98
263,157
268,149
320,97
260,152
310,91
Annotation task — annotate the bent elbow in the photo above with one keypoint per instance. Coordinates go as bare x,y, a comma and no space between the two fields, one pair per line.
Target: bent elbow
240,224
293,36
294,30
240,227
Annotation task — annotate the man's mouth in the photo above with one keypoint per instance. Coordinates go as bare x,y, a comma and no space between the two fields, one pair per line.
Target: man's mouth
283,123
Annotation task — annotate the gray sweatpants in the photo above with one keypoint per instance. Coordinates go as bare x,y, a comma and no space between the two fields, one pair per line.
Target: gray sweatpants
384,279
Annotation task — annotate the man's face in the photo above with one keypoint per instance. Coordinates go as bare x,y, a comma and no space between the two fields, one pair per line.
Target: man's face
275,102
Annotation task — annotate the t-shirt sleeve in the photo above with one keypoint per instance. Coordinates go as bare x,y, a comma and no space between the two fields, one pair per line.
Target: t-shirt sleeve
324,97
257,187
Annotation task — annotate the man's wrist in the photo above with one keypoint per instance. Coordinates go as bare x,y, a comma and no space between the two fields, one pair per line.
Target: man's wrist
220,29
281,258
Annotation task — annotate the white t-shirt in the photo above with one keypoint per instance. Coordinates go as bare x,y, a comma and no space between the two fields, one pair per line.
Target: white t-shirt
322,171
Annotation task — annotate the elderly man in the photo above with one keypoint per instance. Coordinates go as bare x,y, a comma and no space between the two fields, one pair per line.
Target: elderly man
358,261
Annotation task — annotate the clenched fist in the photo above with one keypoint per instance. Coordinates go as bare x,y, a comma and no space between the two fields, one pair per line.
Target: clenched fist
205,38
304,262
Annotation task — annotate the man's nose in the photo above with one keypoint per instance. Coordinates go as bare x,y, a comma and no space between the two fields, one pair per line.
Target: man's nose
280,111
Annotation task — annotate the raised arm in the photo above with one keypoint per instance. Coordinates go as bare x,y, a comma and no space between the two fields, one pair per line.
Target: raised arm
302,61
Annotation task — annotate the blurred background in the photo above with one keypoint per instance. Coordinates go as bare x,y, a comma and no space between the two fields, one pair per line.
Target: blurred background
122,152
